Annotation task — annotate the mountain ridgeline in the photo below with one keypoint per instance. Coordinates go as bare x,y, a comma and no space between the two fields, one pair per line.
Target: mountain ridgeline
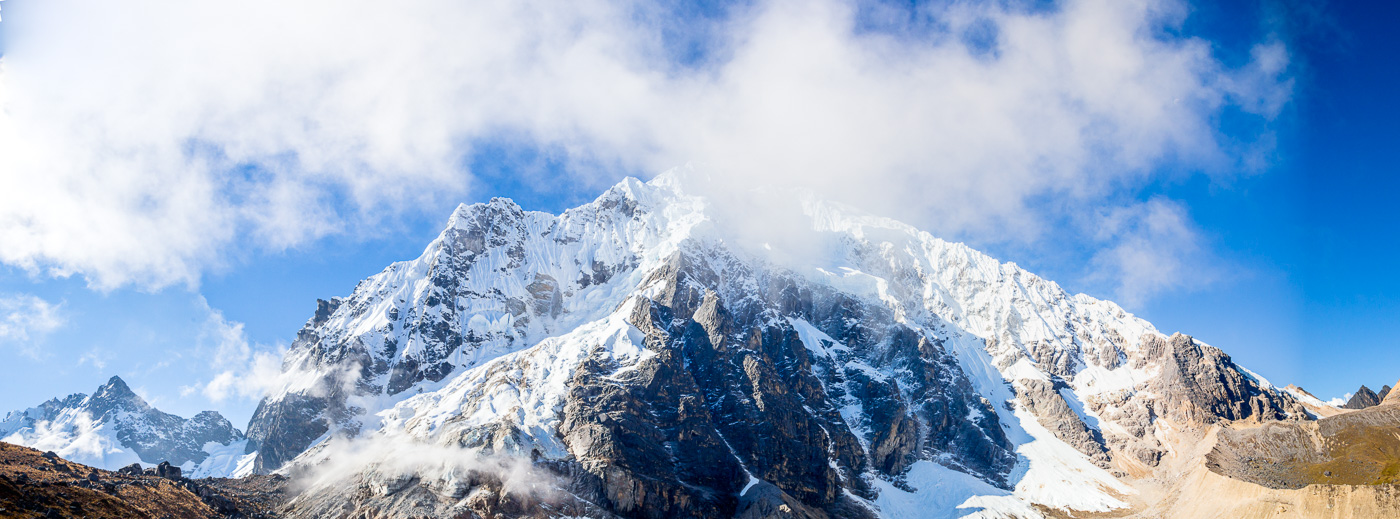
114,427
651,363
643,355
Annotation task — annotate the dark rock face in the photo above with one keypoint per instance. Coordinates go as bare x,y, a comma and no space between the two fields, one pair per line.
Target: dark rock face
1385,391
1363,398
733,391
156,436
1201,386
282,429
648,439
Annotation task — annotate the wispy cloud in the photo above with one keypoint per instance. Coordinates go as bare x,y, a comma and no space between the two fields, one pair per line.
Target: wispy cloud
1150,247
142,162
96,357
25,320
242,369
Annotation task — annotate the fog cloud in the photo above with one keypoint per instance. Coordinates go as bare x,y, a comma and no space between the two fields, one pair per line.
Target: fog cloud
384,471
243,369
149,137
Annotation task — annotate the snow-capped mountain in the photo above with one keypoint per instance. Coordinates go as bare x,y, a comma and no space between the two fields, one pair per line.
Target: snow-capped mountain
115,427
651,359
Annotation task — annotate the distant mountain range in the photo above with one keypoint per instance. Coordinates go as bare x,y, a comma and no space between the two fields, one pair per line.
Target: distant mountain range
646,356
114,427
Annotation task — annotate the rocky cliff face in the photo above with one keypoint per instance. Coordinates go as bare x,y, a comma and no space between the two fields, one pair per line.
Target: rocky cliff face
649,361
114,427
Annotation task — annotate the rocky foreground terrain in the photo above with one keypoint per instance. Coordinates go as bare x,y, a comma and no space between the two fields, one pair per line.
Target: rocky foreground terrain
1361,447
650,355
43,485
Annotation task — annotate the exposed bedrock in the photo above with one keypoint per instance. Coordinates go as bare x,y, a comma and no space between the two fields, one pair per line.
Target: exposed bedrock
1199,385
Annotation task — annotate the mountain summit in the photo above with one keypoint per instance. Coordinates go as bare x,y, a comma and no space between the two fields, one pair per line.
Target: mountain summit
654,359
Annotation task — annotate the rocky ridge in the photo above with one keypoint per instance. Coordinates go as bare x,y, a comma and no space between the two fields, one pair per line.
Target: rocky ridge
1359,447
118,427
1392,397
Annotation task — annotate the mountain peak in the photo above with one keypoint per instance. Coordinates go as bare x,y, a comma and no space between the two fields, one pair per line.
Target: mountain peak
115,386
116,427
1362,399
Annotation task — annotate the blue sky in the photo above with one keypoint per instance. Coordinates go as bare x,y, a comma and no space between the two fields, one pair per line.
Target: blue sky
1275,240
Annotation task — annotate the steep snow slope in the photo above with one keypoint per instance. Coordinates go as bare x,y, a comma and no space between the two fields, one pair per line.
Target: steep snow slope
657,357
114,427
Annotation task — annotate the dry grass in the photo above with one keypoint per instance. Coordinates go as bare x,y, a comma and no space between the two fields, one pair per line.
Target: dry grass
1356,448
32,485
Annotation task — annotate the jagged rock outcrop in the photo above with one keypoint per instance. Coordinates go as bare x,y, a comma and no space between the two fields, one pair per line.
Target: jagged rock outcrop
1200,385
1362,399
1044,399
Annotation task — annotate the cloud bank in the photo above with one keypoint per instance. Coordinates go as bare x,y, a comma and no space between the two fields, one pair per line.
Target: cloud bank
148,138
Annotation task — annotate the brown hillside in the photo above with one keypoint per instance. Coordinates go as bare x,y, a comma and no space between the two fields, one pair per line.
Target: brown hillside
35,484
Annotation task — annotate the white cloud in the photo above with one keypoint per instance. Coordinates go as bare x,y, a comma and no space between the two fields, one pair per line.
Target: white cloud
255,377
26,319
96,357
147,138
1152,247
243,370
